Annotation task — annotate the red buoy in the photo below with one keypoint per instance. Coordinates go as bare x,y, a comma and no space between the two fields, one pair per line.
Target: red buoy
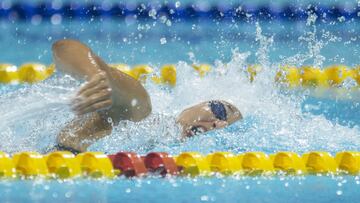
160,162
130,164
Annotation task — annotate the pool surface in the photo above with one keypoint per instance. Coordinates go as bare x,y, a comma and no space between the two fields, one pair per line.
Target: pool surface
279,189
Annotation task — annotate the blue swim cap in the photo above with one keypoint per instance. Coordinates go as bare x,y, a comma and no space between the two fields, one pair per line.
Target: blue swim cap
218,109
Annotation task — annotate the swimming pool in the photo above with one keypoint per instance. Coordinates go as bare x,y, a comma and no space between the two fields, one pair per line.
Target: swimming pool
275,118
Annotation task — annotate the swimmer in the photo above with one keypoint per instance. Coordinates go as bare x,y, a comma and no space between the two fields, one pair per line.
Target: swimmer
109,94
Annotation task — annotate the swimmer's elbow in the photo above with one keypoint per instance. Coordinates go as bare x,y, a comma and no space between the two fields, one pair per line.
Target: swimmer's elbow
58,45
65,44
142,111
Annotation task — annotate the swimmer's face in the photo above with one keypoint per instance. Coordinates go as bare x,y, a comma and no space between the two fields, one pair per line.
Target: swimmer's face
207,116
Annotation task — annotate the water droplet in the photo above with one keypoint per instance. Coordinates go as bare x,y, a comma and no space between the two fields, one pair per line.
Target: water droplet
177,4
204,198
68,194
163,40
341,19
339,192
133,102
168,23
152,13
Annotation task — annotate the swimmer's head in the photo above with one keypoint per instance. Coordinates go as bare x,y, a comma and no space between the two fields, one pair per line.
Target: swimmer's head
207,116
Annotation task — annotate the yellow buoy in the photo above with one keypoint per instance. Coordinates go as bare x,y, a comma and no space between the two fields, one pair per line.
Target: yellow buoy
7,168
33,72
253,163
288,162
192,163
30,164
288,75
139,72
50,69
348,161
167,75
122,67
355,74
319,162
95,164
253,70
202,69
8,73
224,162
336,74
313,77
62,164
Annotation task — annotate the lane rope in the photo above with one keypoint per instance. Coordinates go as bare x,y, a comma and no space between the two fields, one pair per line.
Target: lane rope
64,164
175,11
334,76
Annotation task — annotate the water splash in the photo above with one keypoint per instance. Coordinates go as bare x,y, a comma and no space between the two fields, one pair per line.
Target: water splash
273,119
33,115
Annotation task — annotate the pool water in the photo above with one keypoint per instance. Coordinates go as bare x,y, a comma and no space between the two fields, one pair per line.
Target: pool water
275,118
285,189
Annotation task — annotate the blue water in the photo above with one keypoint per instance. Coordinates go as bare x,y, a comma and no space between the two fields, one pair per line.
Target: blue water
285,189
274,119
135,42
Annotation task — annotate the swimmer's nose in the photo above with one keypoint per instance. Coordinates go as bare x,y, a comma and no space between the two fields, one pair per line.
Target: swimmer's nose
220,124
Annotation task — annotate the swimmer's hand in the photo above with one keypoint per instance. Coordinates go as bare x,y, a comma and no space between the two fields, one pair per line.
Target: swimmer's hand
95,95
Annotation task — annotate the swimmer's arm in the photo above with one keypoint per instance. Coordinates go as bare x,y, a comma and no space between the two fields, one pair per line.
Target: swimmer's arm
84,131
128,97
75,59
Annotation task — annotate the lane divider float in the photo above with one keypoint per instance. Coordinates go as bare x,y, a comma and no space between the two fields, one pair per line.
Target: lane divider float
305,76
65,165
25,10
26,73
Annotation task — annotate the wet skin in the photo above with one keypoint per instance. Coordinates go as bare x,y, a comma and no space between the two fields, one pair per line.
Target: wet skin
109,93
201,118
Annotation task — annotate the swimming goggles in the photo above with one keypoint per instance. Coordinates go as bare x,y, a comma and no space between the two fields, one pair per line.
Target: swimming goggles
218,109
